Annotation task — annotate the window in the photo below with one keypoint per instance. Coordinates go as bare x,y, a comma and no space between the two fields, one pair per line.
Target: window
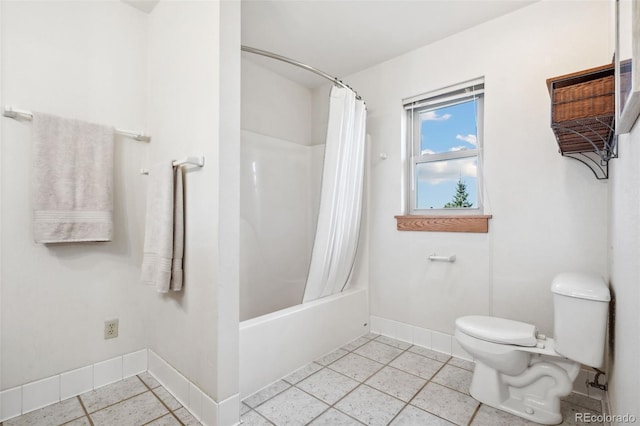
444,132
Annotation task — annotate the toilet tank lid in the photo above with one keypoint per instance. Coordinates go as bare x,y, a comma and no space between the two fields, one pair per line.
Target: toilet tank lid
582,286
498,330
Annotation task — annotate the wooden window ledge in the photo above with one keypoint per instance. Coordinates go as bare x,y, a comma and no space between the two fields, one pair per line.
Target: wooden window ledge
459,223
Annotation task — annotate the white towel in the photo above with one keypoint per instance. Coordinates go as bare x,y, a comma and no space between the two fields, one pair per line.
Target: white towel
178,231
164,229
73,180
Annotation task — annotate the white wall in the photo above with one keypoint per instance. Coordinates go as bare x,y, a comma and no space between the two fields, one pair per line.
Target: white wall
624,250
624,375
184,46
549,213
624,350
82,60
1,185
273,105
160,73
280,182
227,332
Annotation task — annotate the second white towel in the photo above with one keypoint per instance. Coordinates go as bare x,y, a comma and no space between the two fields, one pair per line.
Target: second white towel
164,229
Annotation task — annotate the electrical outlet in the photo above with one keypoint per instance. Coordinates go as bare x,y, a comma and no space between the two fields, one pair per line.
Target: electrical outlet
111,328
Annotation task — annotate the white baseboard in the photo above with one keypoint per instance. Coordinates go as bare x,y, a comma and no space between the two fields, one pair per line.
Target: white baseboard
430,339
38,394
206,410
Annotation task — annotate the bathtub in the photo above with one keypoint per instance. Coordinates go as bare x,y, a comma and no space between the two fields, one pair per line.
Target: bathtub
276,344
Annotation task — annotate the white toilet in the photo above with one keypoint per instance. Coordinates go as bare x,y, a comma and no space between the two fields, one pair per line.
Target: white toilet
525,373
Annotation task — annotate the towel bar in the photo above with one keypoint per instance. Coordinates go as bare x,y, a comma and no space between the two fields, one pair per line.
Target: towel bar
195,161
192,161
15,113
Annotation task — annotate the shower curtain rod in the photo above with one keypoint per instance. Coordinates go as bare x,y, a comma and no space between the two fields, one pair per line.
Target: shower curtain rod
271,55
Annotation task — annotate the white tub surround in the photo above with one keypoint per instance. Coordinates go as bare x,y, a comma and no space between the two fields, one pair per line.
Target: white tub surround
280,174
279,205
313,329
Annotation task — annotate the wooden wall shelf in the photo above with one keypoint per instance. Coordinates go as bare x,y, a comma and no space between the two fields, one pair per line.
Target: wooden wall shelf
583,116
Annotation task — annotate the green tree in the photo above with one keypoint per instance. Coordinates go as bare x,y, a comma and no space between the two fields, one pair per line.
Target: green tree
461,197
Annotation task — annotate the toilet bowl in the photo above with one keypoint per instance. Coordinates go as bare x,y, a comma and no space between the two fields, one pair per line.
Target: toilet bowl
527,381
525,373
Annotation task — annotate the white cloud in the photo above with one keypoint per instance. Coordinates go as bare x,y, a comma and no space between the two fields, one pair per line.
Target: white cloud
470,139
433,116
443,171
458,148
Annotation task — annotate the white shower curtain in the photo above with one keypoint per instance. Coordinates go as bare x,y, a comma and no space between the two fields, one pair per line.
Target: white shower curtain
336,239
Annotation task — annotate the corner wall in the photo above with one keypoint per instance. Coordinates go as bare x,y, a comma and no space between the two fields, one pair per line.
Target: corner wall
624,330
184,46
549,212
162,74
84,60
228,285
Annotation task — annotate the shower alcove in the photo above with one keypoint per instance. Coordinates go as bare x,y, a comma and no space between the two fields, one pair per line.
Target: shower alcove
299,223
284,122
281,154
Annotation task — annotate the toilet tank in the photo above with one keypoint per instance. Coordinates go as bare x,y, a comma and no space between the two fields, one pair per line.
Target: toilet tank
580,306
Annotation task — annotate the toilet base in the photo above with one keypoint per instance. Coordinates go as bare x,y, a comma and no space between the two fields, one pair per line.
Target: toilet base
519,408
534,395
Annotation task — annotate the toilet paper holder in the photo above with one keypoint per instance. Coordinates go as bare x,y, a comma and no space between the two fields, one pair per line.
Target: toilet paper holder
435,257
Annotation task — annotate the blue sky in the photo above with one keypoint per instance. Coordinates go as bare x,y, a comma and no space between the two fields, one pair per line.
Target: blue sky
447,129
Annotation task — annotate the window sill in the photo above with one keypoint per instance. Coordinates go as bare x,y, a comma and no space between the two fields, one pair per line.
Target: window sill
459,223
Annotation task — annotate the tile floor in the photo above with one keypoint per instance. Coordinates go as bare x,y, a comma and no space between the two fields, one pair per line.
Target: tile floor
379,381
373,380
138,400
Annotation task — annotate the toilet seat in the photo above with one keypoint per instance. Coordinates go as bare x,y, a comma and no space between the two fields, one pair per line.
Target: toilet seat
498,330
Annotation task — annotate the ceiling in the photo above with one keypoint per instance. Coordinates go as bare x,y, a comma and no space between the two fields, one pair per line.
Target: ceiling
341,37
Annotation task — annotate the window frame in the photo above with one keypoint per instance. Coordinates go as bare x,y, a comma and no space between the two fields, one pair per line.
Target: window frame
445,97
